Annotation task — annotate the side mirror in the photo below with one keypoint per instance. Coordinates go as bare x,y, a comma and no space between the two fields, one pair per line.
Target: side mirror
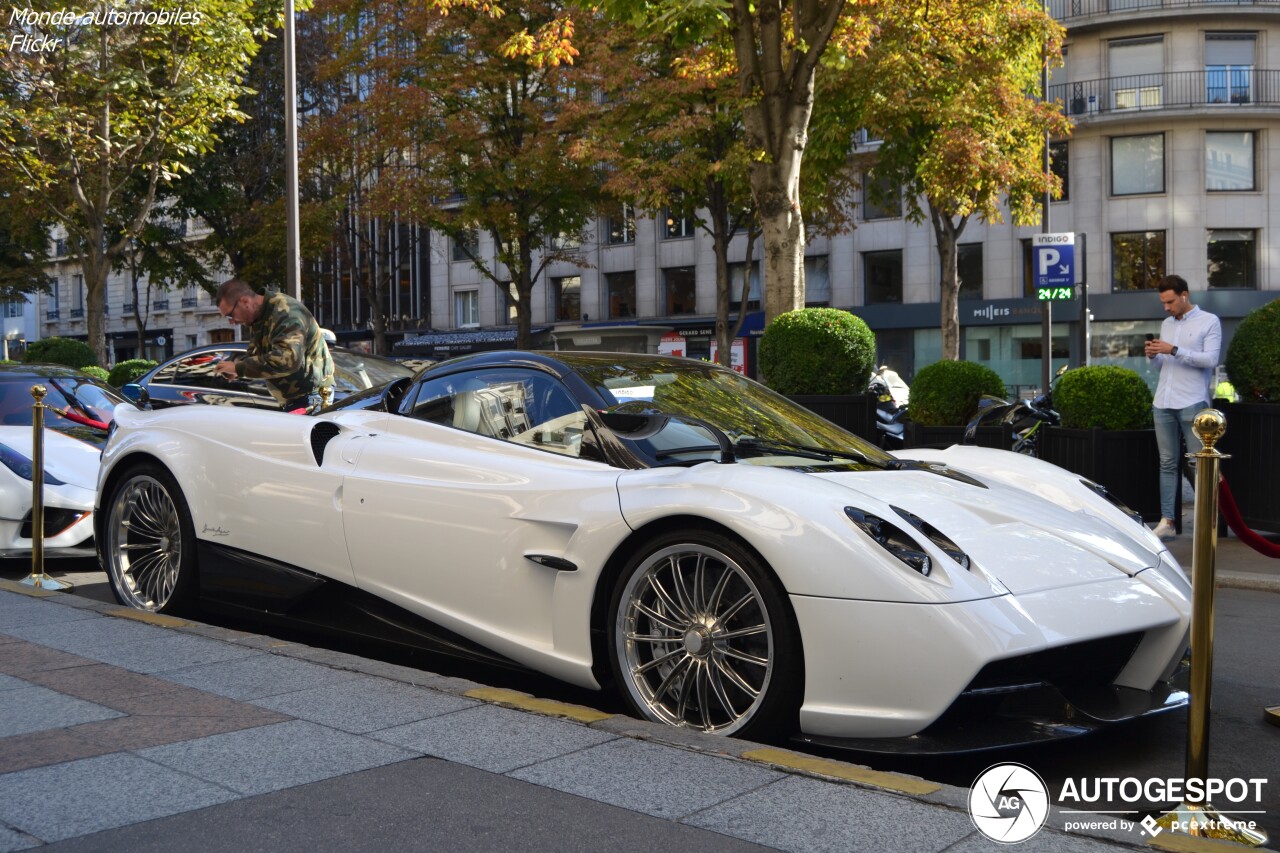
635,425
137,394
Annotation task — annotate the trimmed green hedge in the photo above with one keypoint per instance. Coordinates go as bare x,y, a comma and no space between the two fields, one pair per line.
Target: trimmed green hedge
1103,396
817,351
946,393
96,372
129,370
66,351
1253,358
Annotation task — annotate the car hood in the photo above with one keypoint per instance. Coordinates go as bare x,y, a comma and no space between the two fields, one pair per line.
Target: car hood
73,461
1021,539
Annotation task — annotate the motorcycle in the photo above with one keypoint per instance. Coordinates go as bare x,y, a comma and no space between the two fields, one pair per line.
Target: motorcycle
892,396
1026,417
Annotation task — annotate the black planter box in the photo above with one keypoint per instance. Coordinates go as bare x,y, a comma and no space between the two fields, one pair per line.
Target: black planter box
1252,440
999,436
1125,461
854,412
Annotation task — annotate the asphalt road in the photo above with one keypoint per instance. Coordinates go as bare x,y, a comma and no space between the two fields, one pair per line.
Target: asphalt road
1246,680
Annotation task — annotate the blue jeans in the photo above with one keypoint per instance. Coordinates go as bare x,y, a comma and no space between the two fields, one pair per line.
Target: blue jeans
1172,427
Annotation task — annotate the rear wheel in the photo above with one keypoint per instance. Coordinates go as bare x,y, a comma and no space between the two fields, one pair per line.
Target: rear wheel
149,553
703,638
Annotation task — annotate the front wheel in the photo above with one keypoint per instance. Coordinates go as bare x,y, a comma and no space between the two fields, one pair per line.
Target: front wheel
149,552
703,638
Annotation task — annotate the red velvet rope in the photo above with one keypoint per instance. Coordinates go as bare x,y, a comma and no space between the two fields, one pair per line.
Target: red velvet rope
81,419
1227,503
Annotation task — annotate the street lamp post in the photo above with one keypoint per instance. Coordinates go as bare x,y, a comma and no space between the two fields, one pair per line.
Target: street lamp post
293,249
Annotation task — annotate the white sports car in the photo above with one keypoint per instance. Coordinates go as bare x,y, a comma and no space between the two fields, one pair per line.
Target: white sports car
78,408
729,561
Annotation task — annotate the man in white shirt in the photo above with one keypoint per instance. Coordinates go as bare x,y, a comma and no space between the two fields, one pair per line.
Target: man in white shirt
1186,354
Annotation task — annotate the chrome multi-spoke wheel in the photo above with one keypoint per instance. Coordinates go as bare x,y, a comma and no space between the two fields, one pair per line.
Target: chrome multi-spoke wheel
699,637
148,542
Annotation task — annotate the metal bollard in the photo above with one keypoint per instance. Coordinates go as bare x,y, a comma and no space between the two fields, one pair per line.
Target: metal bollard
1200,817
38,578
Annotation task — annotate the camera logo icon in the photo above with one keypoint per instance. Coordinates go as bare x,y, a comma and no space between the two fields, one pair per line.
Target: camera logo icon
1008,803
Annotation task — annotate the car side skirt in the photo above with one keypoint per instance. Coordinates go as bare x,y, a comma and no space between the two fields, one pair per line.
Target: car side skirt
240,583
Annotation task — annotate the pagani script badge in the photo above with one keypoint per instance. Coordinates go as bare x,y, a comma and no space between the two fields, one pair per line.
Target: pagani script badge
1008,803
215,531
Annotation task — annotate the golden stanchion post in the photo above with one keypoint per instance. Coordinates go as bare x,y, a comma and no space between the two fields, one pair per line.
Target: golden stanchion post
38,578
1200,817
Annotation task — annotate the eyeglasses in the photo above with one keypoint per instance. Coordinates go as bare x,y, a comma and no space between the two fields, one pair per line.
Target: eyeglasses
230,315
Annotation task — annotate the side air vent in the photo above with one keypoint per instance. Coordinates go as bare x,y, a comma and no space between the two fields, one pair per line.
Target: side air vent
321,435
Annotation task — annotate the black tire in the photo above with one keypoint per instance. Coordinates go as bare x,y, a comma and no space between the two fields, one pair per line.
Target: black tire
701,636
149,542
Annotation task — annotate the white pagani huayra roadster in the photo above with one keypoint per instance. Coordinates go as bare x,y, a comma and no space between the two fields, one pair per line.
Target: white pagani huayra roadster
723,558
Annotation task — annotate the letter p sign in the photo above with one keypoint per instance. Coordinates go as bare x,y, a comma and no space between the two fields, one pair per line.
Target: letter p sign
1048,259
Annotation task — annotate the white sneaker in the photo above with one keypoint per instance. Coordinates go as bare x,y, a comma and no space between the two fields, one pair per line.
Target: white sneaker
1165,530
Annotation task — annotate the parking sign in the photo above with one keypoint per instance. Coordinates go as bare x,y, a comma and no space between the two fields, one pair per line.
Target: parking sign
1054,256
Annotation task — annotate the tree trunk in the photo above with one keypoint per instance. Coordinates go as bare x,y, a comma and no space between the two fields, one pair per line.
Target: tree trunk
524,296
947,232
95,265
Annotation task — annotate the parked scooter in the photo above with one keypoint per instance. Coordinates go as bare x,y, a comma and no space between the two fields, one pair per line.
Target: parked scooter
892,395
1025,416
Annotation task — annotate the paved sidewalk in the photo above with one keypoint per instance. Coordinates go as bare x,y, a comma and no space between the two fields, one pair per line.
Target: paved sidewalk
125,731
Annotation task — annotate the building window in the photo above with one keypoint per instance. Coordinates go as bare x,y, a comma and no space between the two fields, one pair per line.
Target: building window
466,308
676,225
568,297
735,286
881,198
1137,260
969,270
1229,161
1233,258
1059,165
1228,67
466,245
622,228
13,307
1137,164
817,281
882,276
679,290
621,295
1136,66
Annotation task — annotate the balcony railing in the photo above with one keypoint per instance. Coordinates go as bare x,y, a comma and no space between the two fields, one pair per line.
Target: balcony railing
1232,88
1069,10
127,308
190,301
160,305
77,313
51,315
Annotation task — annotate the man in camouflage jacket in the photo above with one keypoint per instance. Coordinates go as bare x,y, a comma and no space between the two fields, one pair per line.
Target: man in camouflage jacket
286,347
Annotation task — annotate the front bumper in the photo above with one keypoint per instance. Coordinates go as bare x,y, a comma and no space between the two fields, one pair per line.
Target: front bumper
1060,662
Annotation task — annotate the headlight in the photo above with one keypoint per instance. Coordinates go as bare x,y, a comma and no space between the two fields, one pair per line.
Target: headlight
892,538
1102,492
24,467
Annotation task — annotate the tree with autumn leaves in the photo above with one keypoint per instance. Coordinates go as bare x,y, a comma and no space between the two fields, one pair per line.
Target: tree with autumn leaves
131,93
950,87
466,124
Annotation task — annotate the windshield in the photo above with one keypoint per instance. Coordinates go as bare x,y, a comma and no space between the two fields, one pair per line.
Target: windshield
79,396
739,407
354,371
